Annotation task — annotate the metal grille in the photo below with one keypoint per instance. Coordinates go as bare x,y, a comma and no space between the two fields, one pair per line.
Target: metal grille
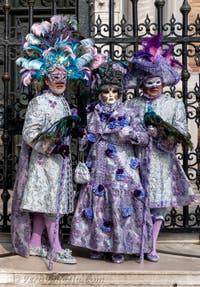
119,40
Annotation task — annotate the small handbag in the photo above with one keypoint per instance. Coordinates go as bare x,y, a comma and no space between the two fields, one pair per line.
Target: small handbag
81,173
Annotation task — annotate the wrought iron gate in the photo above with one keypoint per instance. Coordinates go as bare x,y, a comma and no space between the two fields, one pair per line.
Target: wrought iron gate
119,40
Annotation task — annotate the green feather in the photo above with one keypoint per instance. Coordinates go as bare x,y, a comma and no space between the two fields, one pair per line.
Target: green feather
59,129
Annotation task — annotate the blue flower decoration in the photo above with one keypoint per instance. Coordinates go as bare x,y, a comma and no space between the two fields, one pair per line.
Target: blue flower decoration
106,226
113,123
105,116
134,163
139,193
88,164
88,213
111,151
91,137
120,175
127,211
99,190
123,121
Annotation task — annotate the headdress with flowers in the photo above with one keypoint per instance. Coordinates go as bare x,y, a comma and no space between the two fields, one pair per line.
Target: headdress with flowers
154,61
111,73
57,44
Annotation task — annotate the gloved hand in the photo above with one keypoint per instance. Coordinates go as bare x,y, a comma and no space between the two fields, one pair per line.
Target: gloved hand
78,132
61,149
126,133
152,131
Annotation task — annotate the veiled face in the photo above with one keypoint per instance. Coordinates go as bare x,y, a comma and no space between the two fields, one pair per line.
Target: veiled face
109,95
56,81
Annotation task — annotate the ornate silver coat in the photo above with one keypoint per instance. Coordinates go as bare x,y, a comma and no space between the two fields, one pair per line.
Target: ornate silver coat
44,174
168,184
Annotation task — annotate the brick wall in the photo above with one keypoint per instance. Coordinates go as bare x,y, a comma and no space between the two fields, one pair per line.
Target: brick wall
195,5
195,10
146,7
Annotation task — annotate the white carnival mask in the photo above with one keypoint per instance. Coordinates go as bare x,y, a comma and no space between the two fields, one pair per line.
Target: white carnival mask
152,82
109,95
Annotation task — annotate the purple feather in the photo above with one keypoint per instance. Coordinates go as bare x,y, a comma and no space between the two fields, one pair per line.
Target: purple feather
168,55
155,42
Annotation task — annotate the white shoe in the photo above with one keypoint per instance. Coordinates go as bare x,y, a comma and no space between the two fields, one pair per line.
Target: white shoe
38,251
63,256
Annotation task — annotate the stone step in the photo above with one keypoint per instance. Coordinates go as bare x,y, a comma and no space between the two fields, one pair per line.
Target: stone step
169,271
179,266
179,238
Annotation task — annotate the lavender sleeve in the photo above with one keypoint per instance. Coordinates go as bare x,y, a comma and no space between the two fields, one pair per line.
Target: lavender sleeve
139,135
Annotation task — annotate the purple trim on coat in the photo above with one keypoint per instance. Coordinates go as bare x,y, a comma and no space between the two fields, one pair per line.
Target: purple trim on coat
20,220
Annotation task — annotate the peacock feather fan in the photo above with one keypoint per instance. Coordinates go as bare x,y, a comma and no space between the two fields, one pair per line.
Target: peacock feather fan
166,131
59,130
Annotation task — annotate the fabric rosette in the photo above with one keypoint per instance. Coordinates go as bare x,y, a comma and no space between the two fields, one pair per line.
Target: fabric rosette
99,190
105,116
111,151
127,211
88,213
139,193
91,137
120,174
123,121
106,226
134,163
113,123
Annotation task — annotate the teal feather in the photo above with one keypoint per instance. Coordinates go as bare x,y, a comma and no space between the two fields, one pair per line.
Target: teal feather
36,48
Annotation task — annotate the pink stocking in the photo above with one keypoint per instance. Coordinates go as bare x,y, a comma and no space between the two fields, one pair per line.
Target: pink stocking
38,228
50,225
156,230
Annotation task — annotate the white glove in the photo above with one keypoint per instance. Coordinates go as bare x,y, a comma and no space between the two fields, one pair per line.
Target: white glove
125,133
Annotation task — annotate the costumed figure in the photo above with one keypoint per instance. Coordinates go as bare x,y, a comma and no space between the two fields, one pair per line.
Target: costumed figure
43,190
165,119
111,215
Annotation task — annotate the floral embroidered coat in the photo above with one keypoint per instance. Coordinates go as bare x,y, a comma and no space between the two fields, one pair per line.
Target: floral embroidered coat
39,171
109,216
168,184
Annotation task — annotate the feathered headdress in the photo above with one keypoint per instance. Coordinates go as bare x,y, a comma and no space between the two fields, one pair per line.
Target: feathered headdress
154,61
57,43
109,74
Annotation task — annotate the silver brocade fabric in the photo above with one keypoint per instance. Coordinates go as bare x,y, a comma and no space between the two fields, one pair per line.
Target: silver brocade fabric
41,191
168,184
42,112
117,219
